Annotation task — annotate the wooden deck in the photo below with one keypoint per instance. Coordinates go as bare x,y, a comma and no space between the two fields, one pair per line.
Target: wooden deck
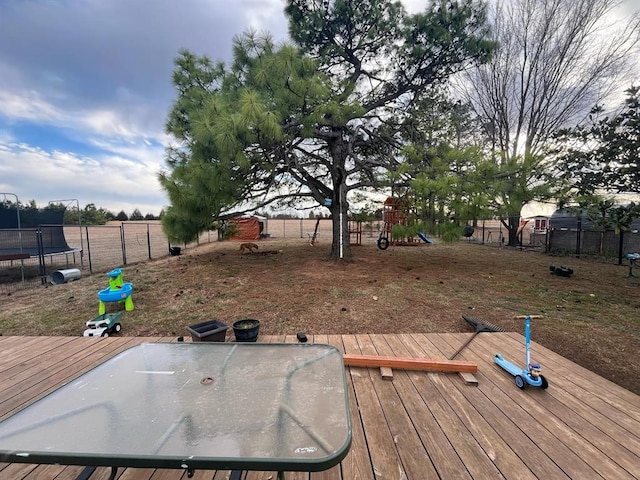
417,426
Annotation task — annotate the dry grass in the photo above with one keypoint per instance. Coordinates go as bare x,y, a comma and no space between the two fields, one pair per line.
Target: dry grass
590,318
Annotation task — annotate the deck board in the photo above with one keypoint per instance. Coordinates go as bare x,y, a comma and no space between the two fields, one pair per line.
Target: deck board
385,460
420,425
437,452
550,432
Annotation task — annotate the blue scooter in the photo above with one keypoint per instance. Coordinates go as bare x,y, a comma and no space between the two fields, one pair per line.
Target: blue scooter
531,374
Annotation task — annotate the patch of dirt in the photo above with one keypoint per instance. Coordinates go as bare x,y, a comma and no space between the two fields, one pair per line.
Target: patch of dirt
590,317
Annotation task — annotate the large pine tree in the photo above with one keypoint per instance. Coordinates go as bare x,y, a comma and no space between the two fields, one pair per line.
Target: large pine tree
314,120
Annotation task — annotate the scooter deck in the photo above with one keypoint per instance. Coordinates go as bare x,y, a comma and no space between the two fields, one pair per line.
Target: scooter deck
508,366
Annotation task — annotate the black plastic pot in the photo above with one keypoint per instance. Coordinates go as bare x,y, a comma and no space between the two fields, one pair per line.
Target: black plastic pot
211,331
175,251
246,330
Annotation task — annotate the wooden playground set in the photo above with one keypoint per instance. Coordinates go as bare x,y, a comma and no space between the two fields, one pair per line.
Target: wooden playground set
395,212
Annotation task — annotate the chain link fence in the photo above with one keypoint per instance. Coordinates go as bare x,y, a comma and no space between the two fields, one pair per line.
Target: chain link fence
100,248
92,249
607,244
319,230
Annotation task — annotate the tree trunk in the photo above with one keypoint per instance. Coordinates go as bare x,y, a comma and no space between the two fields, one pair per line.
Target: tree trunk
512,225
340,246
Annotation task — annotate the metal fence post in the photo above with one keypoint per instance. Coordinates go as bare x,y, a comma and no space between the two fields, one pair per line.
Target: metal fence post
88,249
620,246
578,236
43,270
123,243
148,241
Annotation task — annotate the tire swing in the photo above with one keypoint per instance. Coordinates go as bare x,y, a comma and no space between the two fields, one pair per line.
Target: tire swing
383,243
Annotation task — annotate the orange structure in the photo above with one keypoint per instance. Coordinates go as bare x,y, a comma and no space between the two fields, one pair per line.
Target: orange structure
395,211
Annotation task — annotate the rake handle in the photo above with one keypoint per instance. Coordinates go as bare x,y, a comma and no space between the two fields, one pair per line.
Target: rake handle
465,344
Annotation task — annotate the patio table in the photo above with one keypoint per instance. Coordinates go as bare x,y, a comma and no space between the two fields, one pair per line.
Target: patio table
229,406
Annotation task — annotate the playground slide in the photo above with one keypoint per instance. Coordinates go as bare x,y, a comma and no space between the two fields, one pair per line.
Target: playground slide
424,237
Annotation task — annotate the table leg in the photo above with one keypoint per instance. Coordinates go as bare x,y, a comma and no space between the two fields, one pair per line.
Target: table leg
88,471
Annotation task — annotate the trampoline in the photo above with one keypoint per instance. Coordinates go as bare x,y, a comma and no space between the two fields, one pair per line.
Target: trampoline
32,233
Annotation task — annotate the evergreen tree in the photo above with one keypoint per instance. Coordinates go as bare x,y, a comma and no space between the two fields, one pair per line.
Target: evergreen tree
315,120
602,153
136,215
121,216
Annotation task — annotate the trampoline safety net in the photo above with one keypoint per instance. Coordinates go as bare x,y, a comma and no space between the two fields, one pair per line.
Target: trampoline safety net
41,231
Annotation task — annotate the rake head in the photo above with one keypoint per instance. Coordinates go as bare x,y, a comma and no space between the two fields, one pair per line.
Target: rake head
482,326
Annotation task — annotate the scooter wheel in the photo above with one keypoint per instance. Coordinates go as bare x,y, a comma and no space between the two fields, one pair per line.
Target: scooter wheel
544,384
520,382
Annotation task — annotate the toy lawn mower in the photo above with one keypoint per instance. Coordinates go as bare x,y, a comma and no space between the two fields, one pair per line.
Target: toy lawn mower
103,325
530,375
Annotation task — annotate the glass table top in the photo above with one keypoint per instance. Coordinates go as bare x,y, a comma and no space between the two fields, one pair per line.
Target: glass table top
193,405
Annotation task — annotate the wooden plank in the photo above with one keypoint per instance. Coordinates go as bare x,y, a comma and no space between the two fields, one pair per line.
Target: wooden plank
45,472
407,440
382,449
39,363
357,464
164,474
613,401
600,385
201,475
442,453
334,473
605,404
425,364
469,379
95,351
386,373
473,461
16,471
71,473
15,350
139,474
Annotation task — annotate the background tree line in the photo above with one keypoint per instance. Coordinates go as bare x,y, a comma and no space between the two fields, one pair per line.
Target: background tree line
89,215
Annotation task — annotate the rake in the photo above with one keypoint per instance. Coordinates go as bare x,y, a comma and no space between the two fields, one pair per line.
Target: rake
479,326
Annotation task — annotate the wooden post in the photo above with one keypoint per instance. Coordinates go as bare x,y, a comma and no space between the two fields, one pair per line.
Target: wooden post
427,364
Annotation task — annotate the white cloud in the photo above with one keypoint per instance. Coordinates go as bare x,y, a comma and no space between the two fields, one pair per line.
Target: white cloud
107,123
27,105
109,180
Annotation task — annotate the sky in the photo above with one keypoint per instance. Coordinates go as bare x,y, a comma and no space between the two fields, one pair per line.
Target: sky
85,89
